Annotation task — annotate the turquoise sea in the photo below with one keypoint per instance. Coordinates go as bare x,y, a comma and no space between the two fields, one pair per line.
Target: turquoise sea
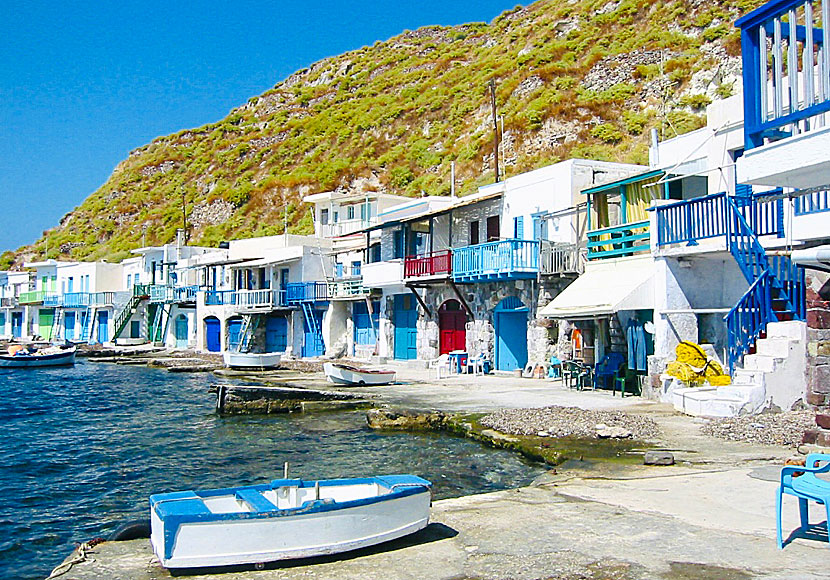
83,448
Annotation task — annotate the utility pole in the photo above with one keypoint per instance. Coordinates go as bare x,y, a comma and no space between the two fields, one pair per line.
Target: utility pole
184,214
495,127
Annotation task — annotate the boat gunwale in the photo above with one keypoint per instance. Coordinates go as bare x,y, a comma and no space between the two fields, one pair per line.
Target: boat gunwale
407,485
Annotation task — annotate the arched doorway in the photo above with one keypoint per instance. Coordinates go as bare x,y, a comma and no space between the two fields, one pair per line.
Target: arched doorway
181,331
510,318
213,334
452,327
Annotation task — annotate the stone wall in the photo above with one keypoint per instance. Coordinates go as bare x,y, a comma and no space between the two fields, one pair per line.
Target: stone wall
818,339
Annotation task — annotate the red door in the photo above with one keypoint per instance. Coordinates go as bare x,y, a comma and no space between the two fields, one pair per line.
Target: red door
452,323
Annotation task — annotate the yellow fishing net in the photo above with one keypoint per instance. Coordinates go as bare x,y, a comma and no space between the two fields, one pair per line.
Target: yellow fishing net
695,368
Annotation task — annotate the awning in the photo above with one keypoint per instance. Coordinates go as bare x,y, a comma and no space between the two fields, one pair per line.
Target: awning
606,288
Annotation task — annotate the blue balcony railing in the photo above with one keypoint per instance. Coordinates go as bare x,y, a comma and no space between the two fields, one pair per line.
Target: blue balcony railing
296,292
502,260
219,297
692,220
786,70
816,202
618,241
75,300
52,300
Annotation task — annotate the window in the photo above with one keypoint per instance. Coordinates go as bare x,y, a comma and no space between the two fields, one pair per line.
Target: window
518,228
493,228
356,268
324,217
399,246
129,280
374,254
338,269
474,232
335,217
350,212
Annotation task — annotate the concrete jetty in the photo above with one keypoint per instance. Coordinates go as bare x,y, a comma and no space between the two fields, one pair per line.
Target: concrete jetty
709,516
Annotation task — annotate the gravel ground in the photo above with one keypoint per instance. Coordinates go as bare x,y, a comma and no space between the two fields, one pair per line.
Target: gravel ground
770,428
568,421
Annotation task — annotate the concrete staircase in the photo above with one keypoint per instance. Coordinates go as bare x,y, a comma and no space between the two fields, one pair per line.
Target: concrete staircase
773,376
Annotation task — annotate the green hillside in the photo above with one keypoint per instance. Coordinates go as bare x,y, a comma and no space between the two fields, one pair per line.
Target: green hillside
579,78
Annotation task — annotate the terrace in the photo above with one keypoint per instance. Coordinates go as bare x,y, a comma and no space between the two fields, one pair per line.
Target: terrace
491,261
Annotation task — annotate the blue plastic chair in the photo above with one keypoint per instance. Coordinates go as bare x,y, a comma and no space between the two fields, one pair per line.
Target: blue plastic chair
555,368
805,487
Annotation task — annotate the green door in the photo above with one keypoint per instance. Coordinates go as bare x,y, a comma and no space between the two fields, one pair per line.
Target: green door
46,317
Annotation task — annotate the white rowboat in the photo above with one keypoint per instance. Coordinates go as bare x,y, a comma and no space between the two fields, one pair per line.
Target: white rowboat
288,518
348,375
46,357
259,360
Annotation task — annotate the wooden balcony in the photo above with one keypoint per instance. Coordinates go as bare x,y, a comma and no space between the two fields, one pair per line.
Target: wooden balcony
502,260
618,241
297,292
32,297
431,264
346,288
560,259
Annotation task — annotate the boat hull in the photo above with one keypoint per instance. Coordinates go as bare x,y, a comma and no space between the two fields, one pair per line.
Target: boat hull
346,375
317,527
259,360
61,359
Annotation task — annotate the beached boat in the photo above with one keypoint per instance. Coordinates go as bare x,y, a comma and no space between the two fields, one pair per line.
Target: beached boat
288,518
52,356
349,375
259,360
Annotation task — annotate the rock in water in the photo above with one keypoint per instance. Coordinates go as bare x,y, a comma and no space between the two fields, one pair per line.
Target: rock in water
658,458
606,432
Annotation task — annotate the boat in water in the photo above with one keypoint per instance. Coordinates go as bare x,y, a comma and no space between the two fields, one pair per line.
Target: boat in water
350,375
286,519
20,356
257,360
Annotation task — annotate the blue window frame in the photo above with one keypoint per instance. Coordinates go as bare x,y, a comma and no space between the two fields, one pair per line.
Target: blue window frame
518,228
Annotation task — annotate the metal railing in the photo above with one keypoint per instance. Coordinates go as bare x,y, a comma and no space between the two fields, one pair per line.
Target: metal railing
559,259
345,288
692,220
344,227
429,264
296,292
786,69
220,297
32,297
8,302
619,241
748,318
495,260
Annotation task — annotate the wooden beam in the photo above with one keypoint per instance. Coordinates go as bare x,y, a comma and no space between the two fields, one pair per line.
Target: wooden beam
461,299
420,300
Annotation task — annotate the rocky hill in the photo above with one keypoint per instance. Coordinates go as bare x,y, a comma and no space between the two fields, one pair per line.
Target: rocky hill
574,78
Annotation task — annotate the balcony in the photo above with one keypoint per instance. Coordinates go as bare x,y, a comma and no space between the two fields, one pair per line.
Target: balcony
503,260
297,292
220,297
9,302
32,297
692,220
257,299
164,293
101,299
618,241
346,288
786,82
382,274
560,259
74,300
431,264
345,227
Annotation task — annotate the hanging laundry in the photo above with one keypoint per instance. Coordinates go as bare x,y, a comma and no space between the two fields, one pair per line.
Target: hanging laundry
635,337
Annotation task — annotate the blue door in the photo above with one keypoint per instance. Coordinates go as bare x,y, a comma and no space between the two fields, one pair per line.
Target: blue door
276,334
234,331
69,326
511,334
365,327
213,334
181,331
406,330
313,329
103,326
17,324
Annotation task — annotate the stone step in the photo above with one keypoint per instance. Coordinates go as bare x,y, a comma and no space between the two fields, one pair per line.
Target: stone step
759,362
776,347
793,329
729,401
747,377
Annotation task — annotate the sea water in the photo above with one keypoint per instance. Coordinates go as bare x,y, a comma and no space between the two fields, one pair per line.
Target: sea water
84,447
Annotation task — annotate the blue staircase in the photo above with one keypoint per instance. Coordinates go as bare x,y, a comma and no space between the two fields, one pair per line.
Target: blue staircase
246,334
86,325
776,286
313,343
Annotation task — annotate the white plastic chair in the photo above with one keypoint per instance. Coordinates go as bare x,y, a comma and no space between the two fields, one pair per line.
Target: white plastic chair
441,366
476,366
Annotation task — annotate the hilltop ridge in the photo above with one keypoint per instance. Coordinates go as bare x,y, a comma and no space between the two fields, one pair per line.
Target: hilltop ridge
584,78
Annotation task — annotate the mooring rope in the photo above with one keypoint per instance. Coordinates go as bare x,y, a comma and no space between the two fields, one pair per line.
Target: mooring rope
82,556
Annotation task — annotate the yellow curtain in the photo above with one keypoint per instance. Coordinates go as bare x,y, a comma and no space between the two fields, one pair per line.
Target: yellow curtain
638,199
600,205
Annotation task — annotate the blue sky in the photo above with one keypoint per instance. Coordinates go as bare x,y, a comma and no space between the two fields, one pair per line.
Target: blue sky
83,83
